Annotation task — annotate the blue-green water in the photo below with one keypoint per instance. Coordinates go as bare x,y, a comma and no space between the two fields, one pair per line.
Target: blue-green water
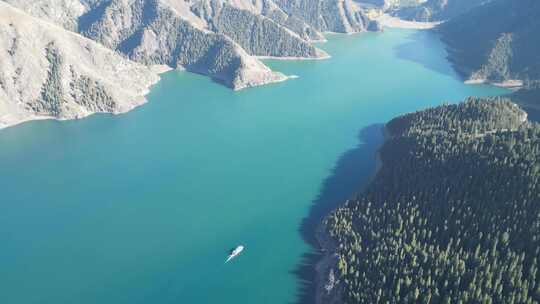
143,207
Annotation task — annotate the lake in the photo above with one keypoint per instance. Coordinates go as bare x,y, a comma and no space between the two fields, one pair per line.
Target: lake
144,207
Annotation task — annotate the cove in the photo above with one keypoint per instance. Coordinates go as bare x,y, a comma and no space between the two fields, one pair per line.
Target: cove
143,207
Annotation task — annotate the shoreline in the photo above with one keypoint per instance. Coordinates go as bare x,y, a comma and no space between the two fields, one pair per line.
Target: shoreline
280,77
394,22
328,289
508,84
6,123
326,56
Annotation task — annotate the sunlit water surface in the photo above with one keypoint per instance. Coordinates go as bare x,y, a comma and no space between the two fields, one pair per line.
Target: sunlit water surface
143,207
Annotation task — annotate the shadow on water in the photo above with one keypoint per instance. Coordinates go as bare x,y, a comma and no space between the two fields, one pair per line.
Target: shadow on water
417,50
352,172
532,114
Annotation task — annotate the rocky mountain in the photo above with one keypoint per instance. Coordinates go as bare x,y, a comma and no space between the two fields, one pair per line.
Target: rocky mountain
49,72
496,42
257,34
424,10
342,16
219,38
437,10
152,32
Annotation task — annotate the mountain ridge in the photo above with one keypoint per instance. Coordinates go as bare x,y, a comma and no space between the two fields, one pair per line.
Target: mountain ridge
222,39
237,31
48,72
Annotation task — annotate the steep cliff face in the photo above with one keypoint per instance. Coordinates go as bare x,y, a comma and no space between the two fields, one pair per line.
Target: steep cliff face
212,37
152,32
496,42
291,22
203,30
259,9
342,16
257,34
308,18
48,72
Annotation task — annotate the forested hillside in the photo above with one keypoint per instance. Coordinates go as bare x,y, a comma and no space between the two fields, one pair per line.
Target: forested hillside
453,215
497,41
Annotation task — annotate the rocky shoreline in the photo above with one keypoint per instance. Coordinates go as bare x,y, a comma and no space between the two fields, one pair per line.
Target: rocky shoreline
509,84
51,73
392,237
395,22
329,288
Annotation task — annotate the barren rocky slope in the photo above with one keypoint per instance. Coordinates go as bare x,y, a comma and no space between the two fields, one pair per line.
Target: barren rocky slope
48,72
153,32
212,37
218,38
333,16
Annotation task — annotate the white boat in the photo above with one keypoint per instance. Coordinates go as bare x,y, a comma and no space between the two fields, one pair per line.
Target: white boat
235,253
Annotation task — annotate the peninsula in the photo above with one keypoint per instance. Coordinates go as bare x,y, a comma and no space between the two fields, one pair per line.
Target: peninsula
452,215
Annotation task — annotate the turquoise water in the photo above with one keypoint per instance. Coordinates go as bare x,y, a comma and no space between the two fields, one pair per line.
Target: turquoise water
143,207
